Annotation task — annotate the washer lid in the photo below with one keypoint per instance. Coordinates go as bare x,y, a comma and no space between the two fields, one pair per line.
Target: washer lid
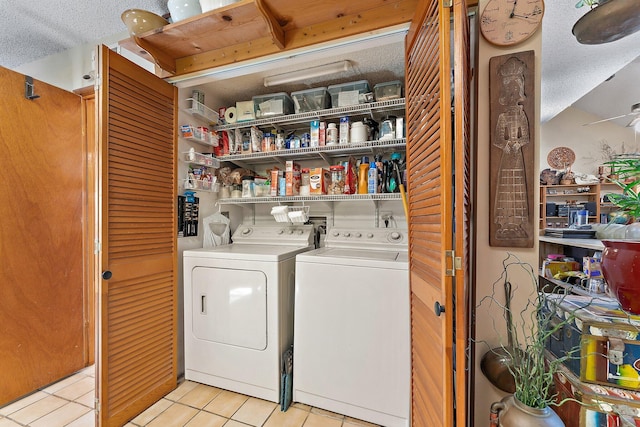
248,252
360,254
389,259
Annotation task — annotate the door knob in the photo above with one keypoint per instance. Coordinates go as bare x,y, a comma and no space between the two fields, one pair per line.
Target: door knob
106,275
439,309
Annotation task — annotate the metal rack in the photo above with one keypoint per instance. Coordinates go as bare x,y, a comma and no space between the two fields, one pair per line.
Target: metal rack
362,109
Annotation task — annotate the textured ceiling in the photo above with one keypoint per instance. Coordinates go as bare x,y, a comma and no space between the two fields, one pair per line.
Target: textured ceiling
34,29
570,70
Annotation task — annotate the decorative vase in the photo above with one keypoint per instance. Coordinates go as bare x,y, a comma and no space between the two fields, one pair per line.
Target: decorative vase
621,270
183,9
510,412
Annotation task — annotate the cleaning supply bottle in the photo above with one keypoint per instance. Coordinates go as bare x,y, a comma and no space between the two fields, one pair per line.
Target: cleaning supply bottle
363,178
373,178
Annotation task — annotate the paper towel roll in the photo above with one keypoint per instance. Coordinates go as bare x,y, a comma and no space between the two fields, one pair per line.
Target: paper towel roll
230,116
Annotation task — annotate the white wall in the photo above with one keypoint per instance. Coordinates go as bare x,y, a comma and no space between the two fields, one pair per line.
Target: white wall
592,144
65,69
489,259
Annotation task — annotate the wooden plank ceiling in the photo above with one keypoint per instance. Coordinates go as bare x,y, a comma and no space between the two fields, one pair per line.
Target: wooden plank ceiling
254,28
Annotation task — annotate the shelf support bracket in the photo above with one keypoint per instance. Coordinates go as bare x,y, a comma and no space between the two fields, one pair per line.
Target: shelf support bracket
276,31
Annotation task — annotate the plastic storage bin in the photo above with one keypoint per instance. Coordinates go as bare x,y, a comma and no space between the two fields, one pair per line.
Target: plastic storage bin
311,100
349,93
273,104
388,90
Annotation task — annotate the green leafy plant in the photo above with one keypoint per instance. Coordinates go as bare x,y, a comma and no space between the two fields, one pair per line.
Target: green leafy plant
532,329
627,171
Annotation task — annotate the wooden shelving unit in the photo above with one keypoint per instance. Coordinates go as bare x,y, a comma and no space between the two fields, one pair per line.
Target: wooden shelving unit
574,194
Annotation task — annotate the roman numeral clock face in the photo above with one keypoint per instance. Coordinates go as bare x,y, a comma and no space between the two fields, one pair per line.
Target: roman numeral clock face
509,22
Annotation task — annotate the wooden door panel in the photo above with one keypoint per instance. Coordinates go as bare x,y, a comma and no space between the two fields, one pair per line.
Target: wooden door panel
42,169
138,304
463,212
436,201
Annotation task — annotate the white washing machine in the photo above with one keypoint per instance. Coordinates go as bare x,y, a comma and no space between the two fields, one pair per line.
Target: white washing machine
352,352
238,308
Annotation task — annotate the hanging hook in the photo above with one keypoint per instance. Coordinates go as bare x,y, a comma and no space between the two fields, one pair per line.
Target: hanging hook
29,88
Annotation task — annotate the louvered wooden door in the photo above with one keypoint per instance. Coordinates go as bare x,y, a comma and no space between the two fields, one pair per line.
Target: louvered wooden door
437,201
137,363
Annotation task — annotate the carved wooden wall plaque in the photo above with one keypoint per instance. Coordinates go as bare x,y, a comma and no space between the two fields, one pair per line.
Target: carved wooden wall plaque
512,211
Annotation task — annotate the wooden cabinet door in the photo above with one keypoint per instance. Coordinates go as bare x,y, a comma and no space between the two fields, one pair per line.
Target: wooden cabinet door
437,201
41,236
137,360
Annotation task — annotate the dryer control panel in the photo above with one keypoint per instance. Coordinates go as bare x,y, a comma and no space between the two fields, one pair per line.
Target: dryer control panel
283,234
370,238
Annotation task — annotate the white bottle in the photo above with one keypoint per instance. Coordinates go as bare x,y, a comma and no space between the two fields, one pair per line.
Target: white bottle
332,134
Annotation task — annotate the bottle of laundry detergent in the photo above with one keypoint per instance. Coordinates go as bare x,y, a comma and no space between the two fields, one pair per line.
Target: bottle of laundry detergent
363,178
373,178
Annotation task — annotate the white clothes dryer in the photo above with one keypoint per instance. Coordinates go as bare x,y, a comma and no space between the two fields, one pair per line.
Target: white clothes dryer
352,326
238,308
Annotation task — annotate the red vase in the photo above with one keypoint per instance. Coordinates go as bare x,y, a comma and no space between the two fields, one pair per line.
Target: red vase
621,270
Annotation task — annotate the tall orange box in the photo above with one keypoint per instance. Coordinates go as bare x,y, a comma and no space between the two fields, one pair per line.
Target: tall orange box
292,178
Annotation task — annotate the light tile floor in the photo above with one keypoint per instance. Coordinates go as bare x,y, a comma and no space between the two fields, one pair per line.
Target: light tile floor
70,403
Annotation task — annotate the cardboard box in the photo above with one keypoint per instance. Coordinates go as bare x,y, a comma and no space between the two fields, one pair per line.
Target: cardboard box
292,177
591,267
318,181
550,268
275,174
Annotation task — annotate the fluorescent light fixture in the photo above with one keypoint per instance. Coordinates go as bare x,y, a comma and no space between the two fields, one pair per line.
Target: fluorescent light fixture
307,73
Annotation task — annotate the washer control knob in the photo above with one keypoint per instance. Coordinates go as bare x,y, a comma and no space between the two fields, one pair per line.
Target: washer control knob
358,235
347,234
290,231
246,231
370,235
300,232
281,231
395,236
336,234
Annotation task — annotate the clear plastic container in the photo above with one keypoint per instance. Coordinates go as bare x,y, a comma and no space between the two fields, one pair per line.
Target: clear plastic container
388,90
308,100
273,104
337,180
351,93
248,187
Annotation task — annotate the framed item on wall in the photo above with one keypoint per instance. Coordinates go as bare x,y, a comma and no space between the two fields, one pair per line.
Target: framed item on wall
512,100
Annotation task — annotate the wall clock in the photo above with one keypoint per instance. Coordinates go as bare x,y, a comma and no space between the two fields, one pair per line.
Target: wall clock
509,22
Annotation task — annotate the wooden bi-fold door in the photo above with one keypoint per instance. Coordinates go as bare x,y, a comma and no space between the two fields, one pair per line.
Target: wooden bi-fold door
439,211
137,361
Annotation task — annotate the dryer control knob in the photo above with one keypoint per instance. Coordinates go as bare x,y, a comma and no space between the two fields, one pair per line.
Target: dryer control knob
347,234
395,236
290,231
358,234
300,232
281,231
246,231
370,235
336,234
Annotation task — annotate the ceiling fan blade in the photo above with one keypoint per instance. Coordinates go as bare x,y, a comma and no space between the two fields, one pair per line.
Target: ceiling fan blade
634,122
606,120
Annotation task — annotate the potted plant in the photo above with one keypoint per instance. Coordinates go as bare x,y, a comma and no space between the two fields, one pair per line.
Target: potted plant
621,258
533,373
